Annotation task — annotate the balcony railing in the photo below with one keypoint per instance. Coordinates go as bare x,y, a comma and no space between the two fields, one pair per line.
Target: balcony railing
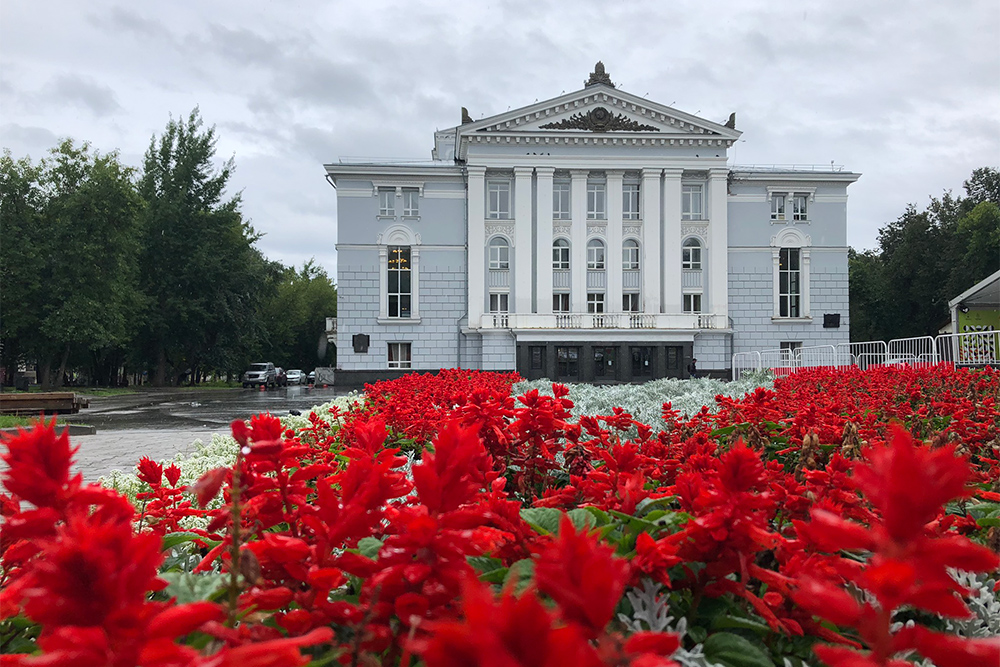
619,321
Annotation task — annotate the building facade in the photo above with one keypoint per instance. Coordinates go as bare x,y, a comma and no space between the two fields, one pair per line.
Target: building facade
594,237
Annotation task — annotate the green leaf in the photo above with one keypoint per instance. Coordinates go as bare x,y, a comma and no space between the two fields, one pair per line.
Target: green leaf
582,519
369,547
735,651
171,540
521,573
600,515
188,587
988,522
484,563
496,576
544,520
721,622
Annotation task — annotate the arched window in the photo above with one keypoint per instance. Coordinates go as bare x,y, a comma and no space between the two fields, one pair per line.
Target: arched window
630,255
499,254
560,255
595,255
691,255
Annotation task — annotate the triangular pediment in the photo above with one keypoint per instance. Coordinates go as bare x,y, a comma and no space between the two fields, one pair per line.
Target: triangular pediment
600,109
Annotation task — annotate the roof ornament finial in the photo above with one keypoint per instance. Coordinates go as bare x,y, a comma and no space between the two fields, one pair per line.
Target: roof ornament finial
466,118
731,123
598,76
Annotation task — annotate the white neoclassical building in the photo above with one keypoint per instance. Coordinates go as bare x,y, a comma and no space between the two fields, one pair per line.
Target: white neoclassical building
596,237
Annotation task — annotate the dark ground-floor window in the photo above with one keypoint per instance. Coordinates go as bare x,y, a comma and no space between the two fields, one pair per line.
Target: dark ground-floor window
537,353
605,362
642,361
675,353
567,362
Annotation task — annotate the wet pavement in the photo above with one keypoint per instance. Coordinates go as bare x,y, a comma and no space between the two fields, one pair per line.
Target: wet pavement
160,423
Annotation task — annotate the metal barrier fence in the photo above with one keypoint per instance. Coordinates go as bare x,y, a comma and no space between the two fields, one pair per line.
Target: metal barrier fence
979,348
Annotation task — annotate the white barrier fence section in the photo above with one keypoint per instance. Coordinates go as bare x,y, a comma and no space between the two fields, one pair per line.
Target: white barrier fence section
980,348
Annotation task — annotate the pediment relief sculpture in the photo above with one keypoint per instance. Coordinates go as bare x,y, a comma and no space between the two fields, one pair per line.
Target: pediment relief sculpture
600,119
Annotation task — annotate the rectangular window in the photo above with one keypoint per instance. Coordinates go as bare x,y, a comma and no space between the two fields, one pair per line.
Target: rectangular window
691,258
642,361
777,207
799,209
790,346
561,201
630,201
692,303
537,353
560,302
674,356
605,361
691,203
560,256
499,257
411,202
399,355
630,302
387,202
498,200
595,302
789,283
399,281
498,302
567,362
596,208
630,256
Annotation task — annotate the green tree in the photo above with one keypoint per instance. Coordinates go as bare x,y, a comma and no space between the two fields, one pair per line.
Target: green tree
79,262
295,318
924,259
201,272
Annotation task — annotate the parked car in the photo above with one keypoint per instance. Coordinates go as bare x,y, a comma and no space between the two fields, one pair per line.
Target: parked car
280,378
312,377
262,374
295,376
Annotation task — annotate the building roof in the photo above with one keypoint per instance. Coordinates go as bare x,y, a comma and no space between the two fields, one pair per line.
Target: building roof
983,294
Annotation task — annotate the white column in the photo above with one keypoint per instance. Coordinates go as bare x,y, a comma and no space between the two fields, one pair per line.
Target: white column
613,259
672,299
804,281
543,234
776,284
578,242
477,243
383,280
651,258
522,278
718,244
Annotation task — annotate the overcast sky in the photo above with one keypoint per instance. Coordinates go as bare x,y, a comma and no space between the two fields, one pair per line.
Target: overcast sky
906,93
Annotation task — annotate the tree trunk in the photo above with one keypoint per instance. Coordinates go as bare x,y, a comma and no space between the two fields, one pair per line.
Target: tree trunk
161,366
62,366
45,374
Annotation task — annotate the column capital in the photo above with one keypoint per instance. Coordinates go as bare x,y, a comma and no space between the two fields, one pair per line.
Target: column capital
522,172
476,170
673,172
648,172
579,174
718,172
545,171
615,173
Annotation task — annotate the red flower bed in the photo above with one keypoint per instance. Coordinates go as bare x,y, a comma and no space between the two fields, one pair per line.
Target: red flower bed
817,520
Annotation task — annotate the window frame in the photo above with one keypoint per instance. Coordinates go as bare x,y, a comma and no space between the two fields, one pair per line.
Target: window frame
631,302
386,202
692,202
402,349
597,255
597,201
562,193
790,301
499,303
500,259
398,294
596,303
779,204
502,189
800,207
568,359
411,202
631,202
561,303
691,255
562,262
630,255
693,303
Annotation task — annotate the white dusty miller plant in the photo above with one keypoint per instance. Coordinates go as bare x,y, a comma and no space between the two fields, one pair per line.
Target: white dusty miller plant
645,401
650,612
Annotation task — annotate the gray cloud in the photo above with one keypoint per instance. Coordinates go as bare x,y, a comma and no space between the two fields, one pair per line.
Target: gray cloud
71,89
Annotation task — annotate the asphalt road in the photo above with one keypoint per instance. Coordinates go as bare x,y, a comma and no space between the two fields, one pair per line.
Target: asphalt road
160,423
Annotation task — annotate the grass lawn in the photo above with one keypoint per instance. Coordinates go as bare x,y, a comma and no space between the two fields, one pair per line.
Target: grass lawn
13,421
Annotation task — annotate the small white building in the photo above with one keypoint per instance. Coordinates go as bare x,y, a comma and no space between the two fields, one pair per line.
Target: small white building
596,236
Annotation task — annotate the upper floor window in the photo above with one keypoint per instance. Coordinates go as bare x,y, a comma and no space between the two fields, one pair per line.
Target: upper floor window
596,202
630,255
499,254
790,282
799,207
560,255
411,202
777,206
498,200
399,355
595,302
499,302
691,255
560,302
595,255
691,203
561,201
630,201
630,302
692,303
399,283
387,202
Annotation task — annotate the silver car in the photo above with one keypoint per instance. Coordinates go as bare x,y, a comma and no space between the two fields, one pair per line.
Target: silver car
295,376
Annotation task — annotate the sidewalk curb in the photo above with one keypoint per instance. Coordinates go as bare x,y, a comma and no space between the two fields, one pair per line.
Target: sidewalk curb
74,429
